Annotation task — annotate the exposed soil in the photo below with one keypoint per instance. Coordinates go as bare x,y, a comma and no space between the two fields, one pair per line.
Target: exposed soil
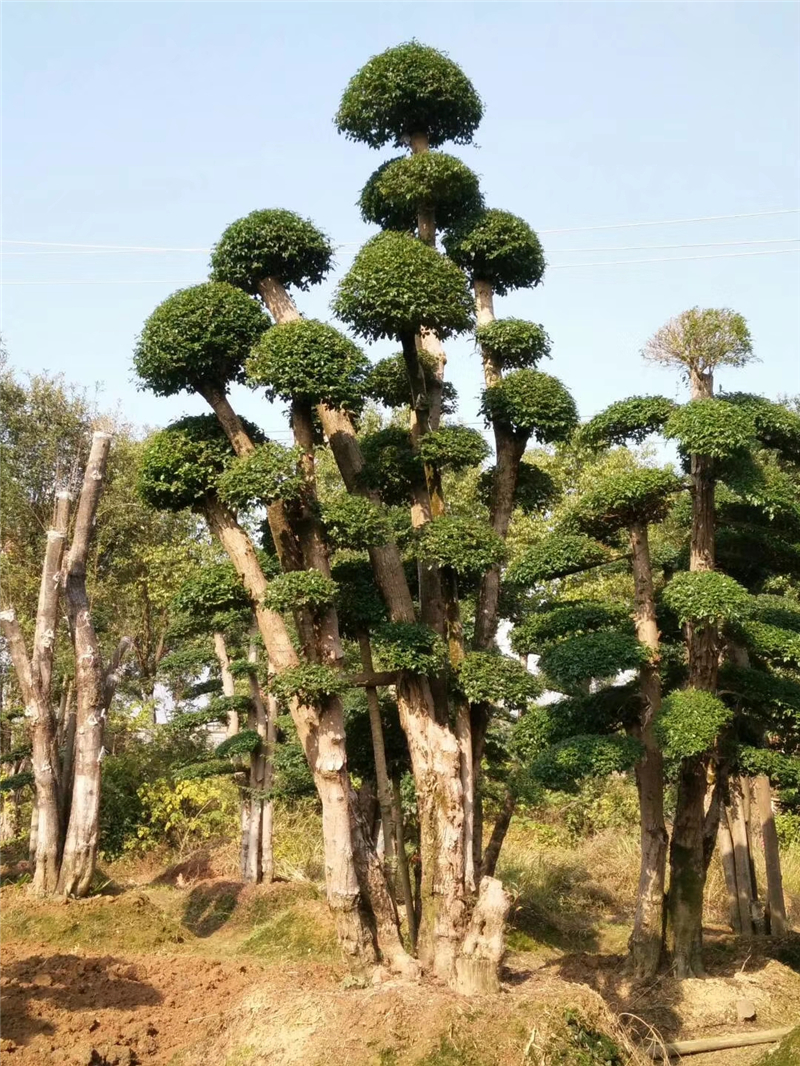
222,975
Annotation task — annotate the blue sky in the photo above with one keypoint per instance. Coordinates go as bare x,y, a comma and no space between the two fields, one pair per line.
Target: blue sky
158,124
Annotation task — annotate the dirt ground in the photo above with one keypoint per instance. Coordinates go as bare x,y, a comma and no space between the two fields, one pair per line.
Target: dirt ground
210,972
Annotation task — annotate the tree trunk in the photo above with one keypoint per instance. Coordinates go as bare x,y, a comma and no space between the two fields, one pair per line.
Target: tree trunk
772,857
741,855
379,750
353,873
687,871
502,822
45,769
725,844
80,847
477,967
402,864
228,683
646,938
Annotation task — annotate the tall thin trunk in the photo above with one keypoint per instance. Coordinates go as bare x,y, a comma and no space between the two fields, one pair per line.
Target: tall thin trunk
646,939
379,751
228,683
257,720
268,817
772,858
402,863
725,845
502,822
80,847
741,855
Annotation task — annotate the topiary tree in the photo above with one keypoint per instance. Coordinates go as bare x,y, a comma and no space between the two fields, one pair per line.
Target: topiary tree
709,430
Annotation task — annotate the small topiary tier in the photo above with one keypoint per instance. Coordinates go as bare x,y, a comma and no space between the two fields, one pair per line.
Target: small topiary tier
514,343
395,193
499,248
530,403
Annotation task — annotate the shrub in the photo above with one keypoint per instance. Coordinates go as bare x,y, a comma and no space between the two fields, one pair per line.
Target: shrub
409,646
267,474
467,545
185,813
489,677
409,89
397,190
627,421
497,247
555,556
272,243
591,656
706,597
310,683
689,722
298,589
514,343
354,522
531,404
454,447
710,427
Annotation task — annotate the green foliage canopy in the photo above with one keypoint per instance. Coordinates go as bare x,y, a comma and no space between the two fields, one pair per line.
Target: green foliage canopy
620,500
297,589
182,464
711,427
354,522
268,473
454,447
689,722
591,657
627,421
556,555
514,343
397,286
410,646
405,90
531,404
197,339
499,248
310,362
272,243
706,597
434,181
489,677
467,545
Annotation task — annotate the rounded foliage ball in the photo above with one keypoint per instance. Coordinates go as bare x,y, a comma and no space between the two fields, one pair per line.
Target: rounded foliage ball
531,403
198,339
776,426
397,286
299,589
359,604
410,646
539,629
433,181
454,447
621,500
556,555
310,683
405,90
467,545
310,362
387,382
182,464
627,421
267,474
707,597
514,343
215,589
710,427
564,765
391,465
271,244
603,654
354,522
689,722
499,248
489,677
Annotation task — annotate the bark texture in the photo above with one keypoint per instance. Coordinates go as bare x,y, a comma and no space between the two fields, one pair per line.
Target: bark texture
772,858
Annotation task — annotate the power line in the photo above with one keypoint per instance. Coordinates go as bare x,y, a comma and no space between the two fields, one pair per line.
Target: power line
673,259
554,266
344,244
559,251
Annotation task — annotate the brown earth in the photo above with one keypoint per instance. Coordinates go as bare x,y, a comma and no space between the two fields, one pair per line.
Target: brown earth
217,974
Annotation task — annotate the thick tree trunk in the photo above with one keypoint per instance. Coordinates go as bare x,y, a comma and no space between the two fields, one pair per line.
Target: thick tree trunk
772,857
362,908
687,871
646,938
477,968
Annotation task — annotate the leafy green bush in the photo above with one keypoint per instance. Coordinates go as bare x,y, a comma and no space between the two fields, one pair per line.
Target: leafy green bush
267,474
409,646
497,247
489,677
591,656
565,764
467,545
298,589
310,683
619,501
354,522
555,556
397,190
627,421
689,722
710,427
514,343
454,447
409,89
531,403
186,813
706,597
